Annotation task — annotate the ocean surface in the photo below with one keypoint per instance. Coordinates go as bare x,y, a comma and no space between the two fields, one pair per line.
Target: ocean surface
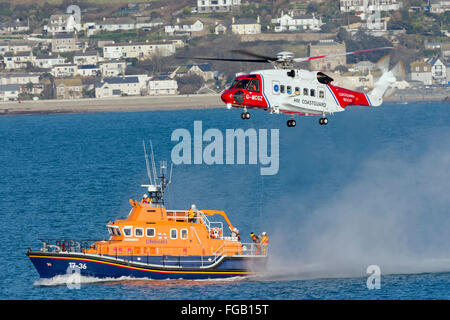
370,188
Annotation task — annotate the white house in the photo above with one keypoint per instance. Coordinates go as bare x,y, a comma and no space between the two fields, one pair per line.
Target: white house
204,6
112,68
64,71
365,7
139,50
162,85
116,24
62,23
438,70
48,61
118,86
19,78
18,60
246,26
9,92
197,26
291,22
88,70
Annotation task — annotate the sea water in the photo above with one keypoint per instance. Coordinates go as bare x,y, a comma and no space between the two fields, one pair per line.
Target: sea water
370,188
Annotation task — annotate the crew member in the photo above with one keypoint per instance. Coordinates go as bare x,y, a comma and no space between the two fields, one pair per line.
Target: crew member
192,214
264,242
145,199
235,233
256,241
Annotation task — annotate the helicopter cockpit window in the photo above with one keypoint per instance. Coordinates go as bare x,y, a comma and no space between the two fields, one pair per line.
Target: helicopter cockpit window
242,84
253,85
289,89
297,91
233,84
305,91
282,88
312,93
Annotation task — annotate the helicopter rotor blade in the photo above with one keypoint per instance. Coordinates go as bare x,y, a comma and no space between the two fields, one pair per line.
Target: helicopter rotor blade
223,59
251,54
339,54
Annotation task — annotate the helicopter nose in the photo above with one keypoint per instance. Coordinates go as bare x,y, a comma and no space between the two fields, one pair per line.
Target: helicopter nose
227,97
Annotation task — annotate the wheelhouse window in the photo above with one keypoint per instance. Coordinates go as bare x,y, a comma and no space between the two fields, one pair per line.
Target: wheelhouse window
173,233
242,84
150,232
184,233
139,232
127,231
305,91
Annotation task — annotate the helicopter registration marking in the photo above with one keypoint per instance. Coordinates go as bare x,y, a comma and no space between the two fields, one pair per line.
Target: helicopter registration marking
255,97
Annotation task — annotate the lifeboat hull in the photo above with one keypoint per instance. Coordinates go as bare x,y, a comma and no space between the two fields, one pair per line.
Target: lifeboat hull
49,265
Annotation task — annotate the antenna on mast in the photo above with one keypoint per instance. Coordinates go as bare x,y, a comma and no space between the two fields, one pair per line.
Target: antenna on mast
147,164
156,188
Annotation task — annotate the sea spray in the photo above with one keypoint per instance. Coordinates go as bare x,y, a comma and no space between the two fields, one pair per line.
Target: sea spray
394,213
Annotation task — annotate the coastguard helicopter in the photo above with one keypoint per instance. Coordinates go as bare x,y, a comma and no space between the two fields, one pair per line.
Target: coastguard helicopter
291,91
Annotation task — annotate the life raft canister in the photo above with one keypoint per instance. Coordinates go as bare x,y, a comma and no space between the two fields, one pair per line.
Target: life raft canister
215,232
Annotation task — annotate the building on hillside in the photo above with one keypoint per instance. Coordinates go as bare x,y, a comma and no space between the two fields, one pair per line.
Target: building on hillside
162,85
140,50
112,68
245,26
120,24
86,57
179,28
45,61
9,92
438,70
65,42
421,72
365,8
88,70
64,71
325,47
118,86
203,70
14,26
205,6
62,23
71,88
439,6
297,22
18,60
19,78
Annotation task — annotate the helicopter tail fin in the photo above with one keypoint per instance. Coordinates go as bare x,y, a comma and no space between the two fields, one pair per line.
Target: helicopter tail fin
385,81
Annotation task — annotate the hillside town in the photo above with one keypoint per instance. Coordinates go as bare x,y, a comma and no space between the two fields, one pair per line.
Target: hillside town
83,50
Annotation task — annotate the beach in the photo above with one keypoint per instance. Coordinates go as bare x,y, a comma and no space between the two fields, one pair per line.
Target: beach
122,104
172,102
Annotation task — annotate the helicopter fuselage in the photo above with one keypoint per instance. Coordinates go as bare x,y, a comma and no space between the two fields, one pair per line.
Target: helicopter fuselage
292,92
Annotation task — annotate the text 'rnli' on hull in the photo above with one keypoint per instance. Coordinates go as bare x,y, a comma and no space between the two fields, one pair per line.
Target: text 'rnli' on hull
156,243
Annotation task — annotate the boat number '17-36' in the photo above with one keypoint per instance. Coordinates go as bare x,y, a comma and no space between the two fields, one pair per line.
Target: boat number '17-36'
80,265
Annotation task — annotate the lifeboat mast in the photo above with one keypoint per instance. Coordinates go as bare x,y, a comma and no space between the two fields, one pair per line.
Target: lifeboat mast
156,190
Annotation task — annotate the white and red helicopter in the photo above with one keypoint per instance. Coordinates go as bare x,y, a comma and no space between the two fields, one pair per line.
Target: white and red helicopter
291,91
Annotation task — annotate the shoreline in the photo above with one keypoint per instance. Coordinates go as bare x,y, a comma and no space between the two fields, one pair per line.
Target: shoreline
148,103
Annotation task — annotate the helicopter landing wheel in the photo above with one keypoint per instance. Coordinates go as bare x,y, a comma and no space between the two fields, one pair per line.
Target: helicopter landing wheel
245,115
291,123
323,121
